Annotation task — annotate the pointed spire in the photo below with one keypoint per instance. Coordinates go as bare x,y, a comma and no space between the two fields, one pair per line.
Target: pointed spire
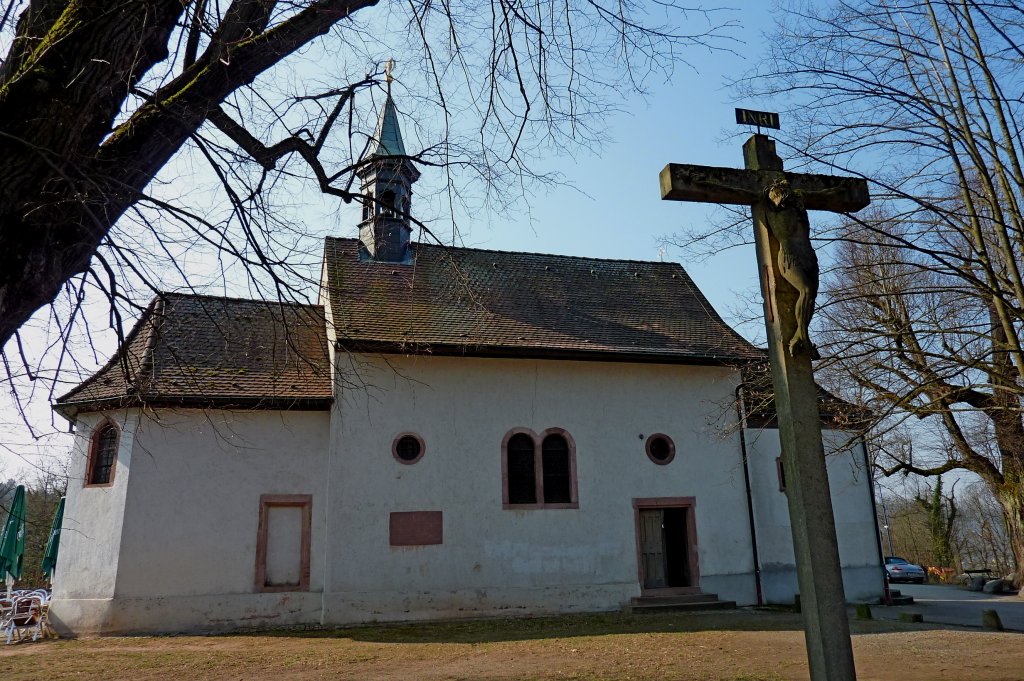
387,140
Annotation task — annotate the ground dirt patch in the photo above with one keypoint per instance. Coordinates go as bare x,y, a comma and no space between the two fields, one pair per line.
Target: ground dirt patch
732,646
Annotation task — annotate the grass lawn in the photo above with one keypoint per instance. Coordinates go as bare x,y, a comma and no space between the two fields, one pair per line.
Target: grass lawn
733,646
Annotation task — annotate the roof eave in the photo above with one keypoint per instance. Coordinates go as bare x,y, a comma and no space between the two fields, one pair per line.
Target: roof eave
534,352
71,410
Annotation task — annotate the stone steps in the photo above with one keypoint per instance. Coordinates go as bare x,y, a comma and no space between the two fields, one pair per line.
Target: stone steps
899,599
678,603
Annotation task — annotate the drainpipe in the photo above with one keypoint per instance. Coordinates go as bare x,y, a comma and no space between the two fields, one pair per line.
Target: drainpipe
741,413
886,595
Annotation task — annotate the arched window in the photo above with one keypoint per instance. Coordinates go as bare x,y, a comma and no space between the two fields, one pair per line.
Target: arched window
522,476
557,470
539,471
102,455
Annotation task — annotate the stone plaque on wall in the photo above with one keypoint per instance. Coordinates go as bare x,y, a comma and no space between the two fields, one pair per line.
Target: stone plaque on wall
416,528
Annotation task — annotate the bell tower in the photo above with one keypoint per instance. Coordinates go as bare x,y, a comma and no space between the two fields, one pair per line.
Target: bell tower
386,177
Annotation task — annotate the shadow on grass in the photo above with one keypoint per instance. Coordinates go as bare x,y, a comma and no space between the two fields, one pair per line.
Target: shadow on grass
496,630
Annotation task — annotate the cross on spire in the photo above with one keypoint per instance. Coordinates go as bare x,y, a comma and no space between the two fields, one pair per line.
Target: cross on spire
389,66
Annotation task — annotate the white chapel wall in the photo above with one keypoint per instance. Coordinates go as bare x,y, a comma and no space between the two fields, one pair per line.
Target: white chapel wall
91,538
90,546
188,545
852,507
494,560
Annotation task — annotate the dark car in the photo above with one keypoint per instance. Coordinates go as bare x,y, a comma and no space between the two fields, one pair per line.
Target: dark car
902,570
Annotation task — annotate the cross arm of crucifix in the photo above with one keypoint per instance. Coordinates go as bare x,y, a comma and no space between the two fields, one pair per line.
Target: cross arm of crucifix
711,184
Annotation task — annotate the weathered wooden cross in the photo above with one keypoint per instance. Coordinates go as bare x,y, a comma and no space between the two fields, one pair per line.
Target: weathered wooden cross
789,283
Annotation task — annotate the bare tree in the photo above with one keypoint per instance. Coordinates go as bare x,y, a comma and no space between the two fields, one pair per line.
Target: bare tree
908,528
267,99
922,308
982,541
45,486
976,533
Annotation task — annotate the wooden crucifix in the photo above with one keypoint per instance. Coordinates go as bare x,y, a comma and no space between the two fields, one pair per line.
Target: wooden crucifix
788,271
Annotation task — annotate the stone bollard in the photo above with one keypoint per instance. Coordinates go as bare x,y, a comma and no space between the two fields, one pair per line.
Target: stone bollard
990,620
911,617
864,611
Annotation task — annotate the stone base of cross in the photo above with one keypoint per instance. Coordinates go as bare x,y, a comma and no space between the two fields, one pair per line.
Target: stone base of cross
788,271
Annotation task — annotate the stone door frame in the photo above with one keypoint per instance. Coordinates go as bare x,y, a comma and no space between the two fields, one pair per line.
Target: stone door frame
690,505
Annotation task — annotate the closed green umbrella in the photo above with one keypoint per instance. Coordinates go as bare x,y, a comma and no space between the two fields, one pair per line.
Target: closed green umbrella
53,543
12,540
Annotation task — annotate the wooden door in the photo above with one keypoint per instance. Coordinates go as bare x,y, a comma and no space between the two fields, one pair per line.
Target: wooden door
652,548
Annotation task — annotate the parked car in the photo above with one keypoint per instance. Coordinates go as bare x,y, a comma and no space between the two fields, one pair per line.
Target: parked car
902,570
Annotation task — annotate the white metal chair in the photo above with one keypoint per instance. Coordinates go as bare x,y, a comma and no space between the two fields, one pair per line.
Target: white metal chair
26,615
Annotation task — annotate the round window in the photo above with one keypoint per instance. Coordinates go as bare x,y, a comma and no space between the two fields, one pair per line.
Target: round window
660,449
408,448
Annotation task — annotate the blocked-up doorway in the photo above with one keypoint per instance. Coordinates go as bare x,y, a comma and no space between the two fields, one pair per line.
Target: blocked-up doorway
283,542
667,544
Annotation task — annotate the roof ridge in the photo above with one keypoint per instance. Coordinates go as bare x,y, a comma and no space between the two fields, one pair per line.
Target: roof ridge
209,296
533,253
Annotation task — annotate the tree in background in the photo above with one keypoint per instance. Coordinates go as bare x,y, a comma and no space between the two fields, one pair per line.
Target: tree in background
974,536
941,514
42,492
47,484
921,314
982,541
270,97
904,523
6,490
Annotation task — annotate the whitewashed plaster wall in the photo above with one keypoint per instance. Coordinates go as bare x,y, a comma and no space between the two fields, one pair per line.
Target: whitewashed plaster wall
90,542
187,552
849,485
497,560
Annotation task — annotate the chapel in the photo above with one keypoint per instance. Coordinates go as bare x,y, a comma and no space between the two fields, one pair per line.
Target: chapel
449,432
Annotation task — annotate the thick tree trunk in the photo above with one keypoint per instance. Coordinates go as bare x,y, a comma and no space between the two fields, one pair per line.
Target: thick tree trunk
58,101
66,176
1011,499
1009,435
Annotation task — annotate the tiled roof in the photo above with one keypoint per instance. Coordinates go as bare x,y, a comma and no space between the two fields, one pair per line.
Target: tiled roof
208,351
470,301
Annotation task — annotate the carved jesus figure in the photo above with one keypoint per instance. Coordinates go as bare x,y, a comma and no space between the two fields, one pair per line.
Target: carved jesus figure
798,264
